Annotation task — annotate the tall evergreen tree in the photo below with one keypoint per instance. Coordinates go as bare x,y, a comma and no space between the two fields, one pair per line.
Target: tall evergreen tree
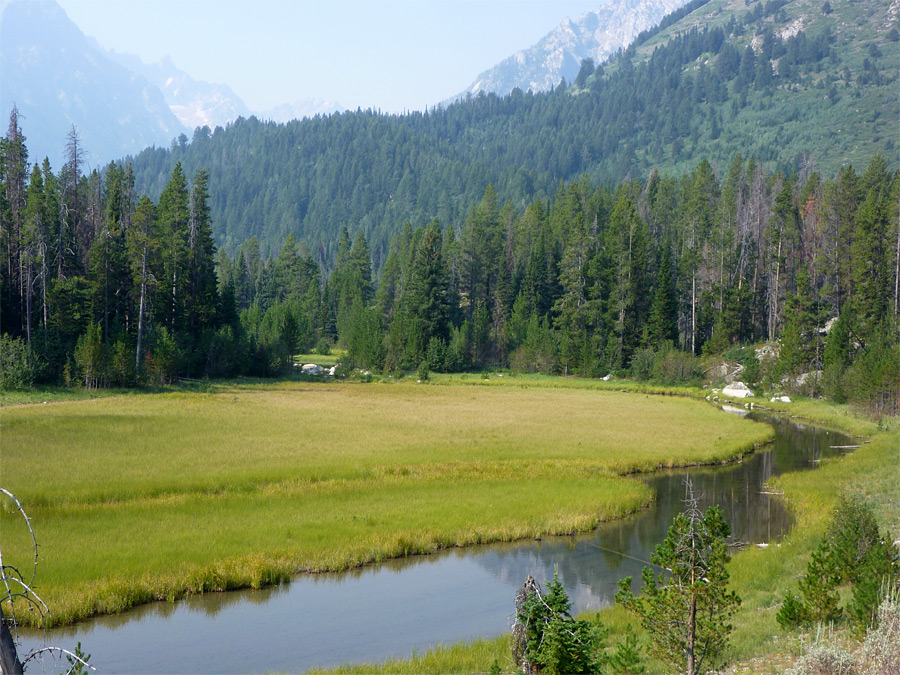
173,216
201,295
663,322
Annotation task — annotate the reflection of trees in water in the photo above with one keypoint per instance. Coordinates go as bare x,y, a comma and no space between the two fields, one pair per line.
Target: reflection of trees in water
753,517
590,565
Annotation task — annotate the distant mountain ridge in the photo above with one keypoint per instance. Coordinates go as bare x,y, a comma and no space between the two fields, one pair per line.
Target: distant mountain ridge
722,79
597,35
194,103
57,78
308,107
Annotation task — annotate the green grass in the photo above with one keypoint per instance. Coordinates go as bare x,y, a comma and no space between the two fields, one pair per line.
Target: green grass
324,360
760,576
135,498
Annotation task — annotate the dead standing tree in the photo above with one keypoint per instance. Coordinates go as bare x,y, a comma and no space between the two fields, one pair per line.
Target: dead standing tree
16,593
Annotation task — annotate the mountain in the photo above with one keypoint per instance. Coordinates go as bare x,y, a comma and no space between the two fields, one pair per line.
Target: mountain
309,107
596,35
784,82
194,103
56,79
197,103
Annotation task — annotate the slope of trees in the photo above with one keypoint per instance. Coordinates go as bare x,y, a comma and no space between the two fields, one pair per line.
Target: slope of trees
108,288
739,82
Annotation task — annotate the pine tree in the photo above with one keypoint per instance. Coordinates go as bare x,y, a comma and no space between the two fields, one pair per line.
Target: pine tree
142,244
870,269
173,216
663,322
686,607
202,297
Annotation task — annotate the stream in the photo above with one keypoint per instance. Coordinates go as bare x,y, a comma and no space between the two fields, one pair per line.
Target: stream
406,606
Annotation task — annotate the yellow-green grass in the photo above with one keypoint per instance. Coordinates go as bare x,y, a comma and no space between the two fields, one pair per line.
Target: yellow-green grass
321,359
143,497
761,576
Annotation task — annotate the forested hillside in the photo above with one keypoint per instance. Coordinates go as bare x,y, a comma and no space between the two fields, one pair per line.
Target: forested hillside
798,85
103,287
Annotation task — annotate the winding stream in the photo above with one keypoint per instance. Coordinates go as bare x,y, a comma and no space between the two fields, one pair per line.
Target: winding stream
397,608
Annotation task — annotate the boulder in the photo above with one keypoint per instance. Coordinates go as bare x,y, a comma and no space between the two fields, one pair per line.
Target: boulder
737,390
780,399
717,371
311,369
767,351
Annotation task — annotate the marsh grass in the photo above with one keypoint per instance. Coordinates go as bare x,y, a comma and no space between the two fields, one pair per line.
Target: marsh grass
137,498
761,576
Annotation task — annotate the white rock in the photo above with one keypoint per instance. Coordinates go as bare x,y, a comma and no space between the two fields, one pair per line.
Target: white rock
311,369
608,377
737,390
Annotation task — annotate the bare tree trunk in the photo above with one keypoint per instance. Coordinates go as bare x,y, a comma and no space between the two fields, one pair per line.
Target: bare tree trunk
692,630
28,283
44,272
693,311
773,321
140,326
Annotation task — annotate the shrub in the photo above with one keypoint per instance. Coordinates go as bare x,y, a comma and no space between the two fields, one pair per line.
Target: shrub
824,659
678,367
880,654
546,639
122,363
17,363
436,355
90,357
323,346
643,363
851,551
792,612
853,531
879,569
162,360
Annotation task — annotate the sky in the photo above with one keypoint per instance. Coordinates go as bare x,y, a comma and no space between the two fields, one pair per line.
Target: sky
389,55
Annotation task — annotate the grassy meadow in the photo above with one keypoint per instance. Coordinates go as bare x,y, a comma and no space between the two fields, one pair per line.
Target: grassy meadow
761,576
143,497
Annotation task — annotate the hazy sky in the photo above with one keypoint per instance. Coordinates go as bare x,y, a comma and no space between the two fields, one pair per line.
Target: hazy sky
392,55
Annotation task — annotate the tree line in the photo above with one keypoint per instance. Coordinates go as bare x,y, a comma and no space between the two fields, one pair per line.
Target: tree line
705,92
107,287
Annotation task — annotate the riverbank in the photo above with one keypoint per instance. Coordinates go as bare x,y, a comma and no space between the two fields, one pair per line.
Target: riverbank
139,498
760,576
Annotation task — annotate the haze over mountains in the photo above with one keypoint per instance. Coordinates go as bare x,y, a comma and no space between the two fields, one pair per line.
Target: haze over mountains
596,35
58,77
781,81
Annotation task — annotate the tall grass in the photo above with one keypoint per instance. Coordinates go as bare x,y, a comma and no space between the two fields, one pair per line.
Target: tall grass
761,576
138,498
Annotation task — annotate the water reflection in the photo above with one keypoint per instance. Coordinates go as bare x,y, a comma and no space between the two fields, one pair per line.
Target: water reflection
389,610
